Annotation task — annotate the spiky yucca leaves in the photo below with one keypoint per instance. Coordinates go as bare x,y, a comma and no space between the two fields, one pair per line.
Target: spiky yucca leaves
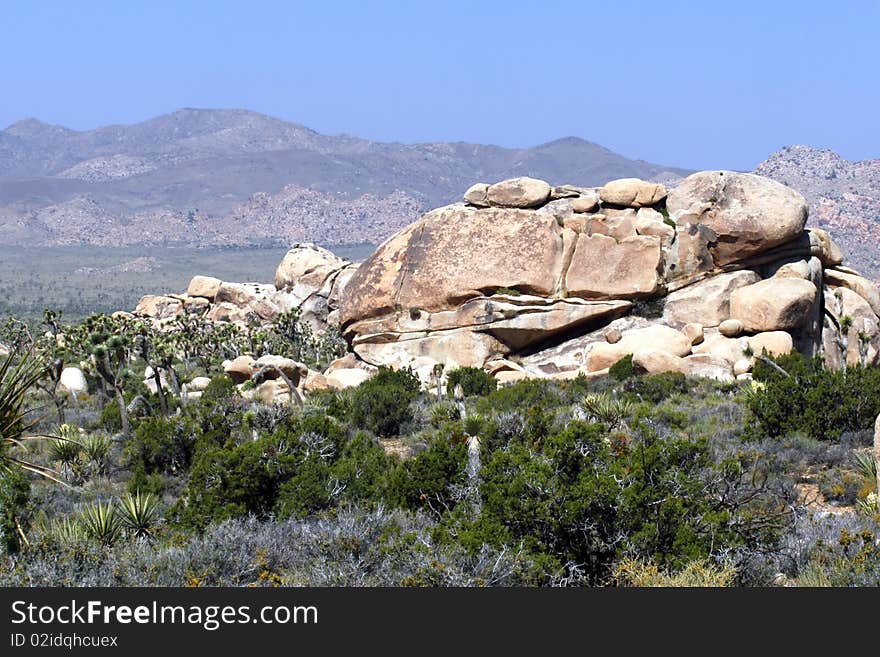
139,514
867,466
67,531
102,523
603,408
96,448
15,382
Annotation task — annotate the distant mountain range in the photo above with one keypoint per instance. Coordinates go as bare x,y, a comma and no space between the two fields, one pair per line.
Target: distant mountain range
238,178
844,198
232,177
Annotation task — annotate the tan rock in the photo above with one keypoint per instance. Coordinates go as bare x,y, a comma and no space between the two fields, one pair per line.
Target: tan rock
693,331
719,347
521,192
277,392
773,304
825,248
585,203
650,222
240,369
796,269
454,348
158,307
866,289
72,381
603,268
196,306
707,366
618,225
225,312
632,192
659,337
348,377
237,294
748,214
477,195
317,382
204,286
655,361
198,384
454,254
706,302
292,369
742,366
774,343
730,328
612,336
308,266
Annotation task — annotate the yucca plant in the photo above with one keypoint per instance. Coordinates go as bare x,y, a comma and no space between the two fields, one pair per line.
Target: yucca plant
101,523
96,448
67,531
866,464
442,412
15,382
139,514
64,450
605,409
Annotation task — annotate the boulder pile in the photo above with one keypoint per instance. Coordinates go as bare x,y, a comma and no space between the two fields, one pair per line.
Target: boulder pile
309,278
526,279
530,280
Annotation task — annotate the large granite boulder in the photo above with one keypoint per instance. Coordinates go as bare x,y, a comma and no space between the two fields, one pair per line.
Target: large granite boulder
747,214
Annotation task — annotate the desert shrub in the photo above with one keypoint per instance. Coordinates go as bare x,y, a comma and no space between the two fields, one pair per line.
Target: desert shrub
350,547
473,381
162,445
14,497
622,369
357,475
381,404
581,500
429,480
657,387
520,396
701,573
819,402
230,482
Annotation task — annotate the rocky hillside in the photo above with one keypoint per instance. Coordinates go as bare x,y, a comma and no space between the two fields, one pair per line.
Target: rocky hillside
844,198
230,177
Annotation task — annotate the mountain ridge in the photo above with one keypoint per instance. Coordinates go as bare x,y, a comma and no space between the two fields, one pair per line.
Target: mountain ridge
209,170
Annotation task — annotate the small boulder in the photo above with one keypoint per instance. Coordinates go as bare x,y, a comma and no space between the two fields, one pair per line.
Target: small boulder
632,192
477,195
73,382
348,377
730,328
585,203
204,286
693,331
773,304
521,192
240,369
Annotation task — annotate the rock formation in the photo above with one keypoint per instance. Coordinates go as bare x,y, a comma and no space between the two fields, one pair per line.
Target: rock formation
527,279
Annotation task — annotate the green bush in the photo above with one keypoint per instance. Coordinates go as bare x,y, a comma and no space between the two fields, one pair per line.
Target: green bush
427,480
622,369
657,387
473,381
818,402
14,497
162,445
381,404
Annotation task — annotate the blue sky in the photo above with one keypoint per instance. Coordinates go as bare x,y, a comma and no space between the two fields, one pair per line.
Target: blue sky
698,84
